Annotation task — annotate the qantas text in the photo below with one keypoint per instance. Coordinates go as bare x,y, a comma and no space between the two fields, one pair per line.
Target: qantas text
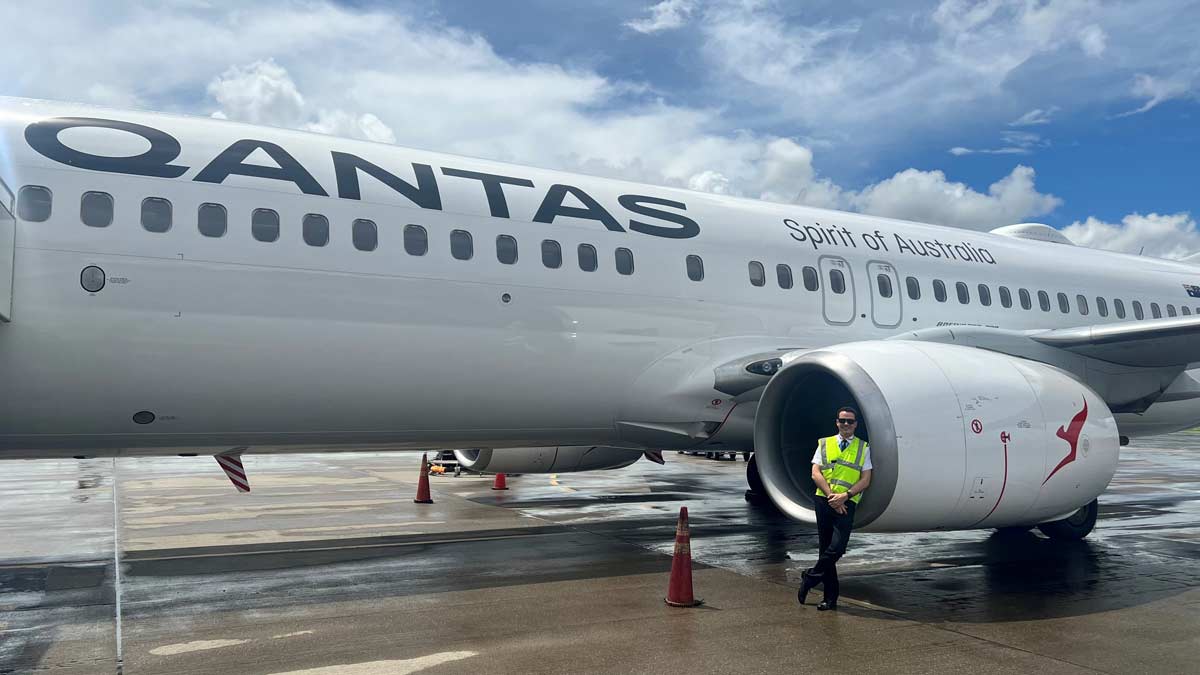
662,217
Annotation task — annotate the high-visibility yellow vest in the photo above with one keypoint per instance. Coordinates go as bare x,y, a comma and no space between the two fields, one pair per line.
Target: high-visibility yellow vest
842,468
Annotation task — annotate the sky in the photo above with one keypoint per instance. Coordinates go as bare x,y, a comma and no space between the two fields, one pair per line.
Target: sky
1082,114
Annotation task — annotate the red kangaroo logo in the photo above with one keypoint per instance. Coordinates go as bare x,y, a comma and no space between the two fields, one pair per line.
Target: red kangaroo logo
1070,435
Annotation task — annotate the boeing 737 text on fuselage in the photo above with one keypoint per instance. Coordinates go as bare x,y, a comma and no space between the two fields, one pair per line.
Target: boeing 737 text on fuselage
196,286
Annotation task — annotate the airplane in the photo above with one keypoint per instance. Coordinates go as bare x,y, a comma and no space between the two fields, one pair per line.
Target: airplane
194,286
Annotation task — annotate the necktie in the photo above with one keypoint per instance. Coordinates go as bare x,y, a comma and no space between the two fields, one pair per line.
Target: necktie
842,444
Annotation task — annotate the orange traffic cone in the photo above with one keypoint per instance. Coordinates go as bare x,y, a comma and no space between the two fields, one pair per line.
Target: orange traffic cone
679,591
499,483
423,483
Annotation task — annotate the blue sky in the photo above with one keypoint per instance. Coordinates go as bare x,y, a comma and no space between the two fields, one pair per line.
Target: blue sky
971,113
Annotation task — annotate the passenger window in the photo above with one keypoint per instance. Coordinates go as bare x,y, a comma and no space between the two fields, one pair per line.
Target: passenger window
985,295
837,281
588,260
783,274
695,268
1119,308
264,225
156,214
914,288
964,294
1155,310
1101,306
365,234
1137,310
416,241
33,203
812,281
884,282
551,254
212,220
1063,305
506,249
1005,297
96,209
1186,310
758,276
462,247
1081,303
1026,302
939,290
1170,310
624,261
315,229
1044,301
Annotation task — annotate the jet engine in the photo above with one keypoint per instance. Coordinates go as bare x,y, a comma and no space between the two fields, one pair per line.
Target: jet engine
553,459
960,437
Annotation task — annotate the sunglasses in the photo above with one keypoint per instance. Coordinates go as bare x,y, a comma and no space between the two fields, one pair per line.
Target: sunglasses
842,420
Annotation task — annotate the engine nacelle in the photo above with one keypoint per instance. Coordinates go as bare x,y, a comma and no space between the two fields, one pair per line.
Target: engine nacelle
552,459
960,437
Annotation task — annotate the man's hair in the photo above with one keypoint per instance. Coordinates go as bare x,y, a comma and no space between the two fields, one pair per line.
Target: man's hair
848,409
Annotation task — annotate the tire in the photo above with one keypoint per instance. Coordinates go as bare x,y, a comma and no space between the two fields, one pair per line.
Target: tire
752,478
1076,526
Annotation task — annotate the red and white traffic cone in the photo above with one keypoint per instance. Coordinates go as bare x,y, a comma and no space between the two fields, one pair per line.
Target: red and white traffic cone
499,483
679,590
423,482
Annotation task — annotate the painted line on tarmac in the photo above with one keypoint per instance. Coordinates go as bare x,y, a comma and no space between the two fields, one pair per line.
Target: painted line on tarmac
117,565
279,551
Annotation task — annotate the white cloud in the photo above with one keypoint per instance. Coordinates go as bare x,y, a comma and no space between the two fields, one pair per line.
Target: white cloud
666,15
927,196
1015,143
1158,90
885,70
1035,117
1158,235
1093,40
259,93
264,93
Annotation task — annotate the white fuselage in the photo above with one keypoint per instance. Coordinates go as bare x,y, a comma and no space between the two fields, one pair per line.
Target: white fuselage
282,345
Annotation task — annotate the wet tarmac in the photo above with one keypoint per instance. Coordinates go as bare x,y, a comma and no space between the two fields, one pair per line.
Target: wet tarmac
328,567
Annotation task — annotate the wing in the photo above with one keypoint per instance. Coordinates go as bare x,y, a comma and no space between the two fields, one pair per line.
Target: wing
1145,344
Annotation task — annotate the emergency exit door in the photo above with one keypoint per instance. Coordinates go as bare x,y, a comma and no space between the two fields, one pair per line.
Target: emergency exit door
8,237
885,294
837,294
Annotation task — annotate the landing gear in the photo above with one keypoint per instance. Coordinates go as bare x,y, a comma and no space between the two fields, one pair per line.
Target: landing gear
756,493
1074,527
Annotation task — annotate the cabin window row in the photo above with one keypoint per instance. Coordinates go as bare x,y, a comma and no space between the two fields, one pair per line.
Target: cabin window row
984,293
212,220
783,275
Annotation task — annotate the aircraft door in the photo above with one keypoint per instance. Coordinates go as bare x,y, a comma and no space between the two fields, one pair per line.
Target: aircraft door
8,238
837,296
885,294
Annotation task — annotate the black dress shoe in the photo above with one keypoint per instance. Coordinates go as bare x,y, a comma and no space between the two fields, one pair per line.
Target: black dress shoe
806,584
826,605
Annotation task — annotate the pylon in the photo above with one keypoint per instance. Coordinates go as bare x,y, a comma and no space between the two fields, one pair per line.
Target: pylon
679,590
423,482
499,483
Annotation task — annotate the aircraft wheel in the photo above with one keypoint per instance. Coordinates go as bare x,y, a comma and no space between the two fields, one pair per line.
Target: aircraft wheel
1076,526
756,490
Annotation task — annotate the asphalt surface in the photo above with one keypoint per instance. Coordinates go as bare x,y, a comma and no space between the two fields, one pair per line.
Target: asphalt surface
327,566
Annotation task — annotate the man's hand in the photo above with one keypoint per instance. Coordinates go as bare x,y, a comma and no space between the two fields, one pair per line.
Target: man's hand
838,500
840,509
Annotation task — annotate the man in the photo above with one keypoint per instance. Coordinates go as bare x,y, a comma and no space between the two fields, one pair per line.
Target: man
841,468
